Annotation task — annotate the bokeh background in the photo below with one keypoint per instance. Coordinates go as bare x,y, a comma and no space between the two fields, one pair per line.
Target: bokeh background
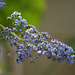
57,17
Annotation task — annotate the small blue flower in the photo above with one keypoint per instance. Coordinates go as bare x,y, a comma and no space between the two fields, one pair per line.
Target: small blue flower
39,52
44,52
2,4
14,29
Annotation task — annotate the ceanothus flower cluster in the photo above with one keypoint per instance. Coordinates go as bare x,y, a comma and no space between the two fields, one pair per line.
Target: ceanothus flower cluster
2,4
30,43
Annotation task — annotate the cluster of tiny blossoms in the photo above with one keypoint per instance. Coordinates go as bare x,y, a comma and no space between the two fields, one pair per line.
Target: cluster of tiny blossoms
30,43
2,4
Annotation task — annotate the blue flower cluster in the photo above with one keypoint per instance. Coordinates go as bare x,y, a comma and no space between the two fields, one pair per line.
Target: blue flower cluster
30,43
2,4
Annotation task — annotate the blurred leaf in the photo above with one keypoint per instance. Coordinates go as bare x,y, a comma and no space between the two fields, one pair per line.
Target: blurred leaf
32,10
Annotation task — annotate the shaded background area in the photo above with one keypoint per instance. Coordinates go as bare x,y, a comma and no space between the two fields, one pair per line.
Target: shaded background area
57,17
59,21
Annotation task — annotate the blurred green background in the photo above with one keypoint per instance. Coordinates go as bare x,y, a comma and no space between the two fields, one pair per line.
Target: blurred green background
57,17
